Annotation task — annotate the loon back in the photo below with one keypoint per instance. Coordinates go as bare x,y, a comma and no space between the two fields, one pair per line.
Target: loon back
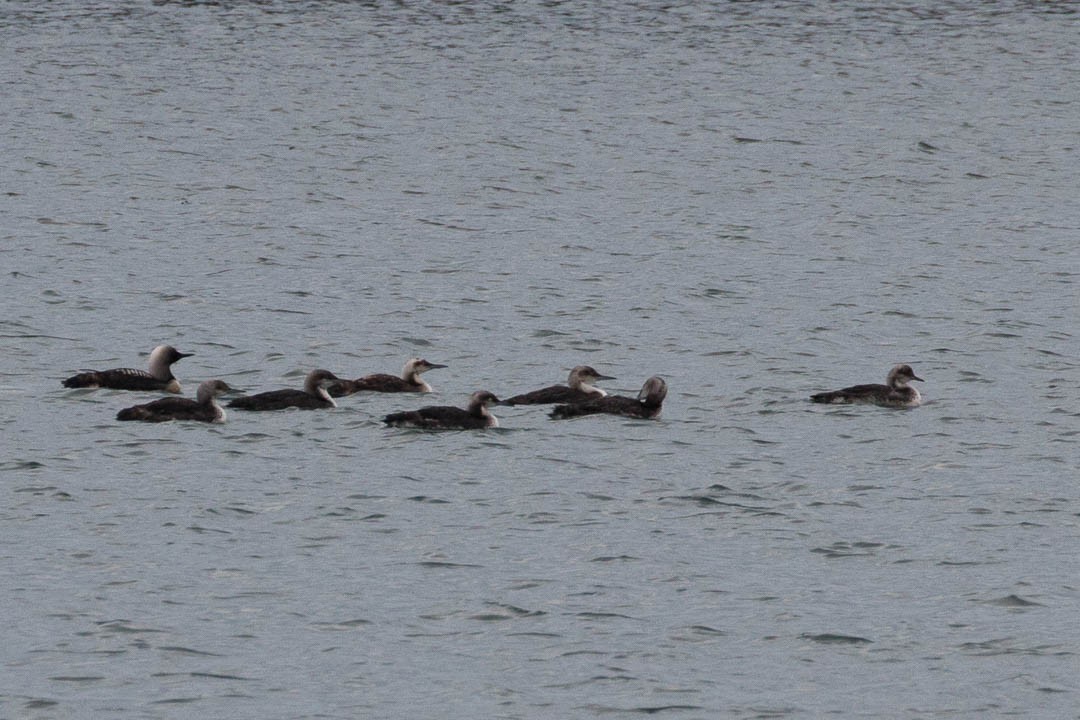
870,395
279,400
611,405
440,417
378,382
555,394
123,379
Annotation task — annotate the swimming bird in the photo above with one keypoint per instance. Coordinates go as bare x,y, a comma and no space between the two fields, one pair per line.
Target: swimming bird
578,388
312,397
444,417
647,404
203,408
160,376
409,381
894,393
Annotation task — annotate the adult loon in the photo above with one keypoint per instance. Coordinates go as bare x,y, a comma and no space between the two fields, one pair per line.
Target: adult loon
647,404
312,397
409,381
894,393
444,417
578,388
203,408
160,376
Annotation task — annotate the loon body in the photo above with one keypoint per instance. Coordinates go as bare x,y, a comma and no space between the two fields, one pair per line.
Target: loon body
203,408
647,404
312,397
578,388
894,393
408,381
441,417
160,376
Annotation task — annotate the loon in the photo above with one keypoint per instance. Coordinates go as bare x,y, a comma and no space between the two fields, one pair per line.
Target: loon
204,408
312,397
160,376
577,389
894,393
647,404
450,418
381,382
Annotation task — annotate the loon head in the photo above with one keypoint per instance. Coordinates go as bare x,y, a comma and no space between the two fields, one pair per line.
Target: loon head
415,366
162,357
483,399
900,376
585,374
318,380
210,389
653,391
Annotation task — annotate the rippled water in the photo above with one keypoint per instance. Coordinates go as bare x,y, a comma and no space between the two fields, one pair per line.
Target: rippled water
754,200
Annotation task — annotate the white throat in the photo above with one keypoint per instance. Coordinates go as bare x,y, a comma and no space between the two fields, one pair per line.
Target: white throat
325,395
592,390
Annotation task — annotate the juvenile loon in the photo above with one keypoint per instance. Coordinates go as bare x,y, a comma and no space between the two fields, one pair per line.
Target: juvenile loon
647,404
578,389
381,382
203,408
894,393
160,376
445,417
312,397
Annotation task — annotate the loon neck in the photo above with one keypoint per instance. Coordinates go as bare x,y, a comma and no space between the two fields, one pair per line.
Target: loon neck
591,389
413,378
321,392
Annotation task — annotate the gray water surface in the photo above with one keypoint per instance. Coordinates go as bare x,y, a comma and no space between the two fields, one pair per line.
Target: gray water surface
756,201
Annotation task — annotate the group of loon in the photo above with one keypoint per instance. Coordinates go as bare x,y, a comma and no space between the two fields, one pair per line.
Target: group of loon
578,397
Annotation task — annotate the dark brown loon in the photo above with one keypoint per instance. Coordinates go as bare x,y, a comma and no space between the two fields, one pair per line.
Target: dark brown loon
444,417
894,393
409,381
578,388
160,376
203,408
647,404
312,397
